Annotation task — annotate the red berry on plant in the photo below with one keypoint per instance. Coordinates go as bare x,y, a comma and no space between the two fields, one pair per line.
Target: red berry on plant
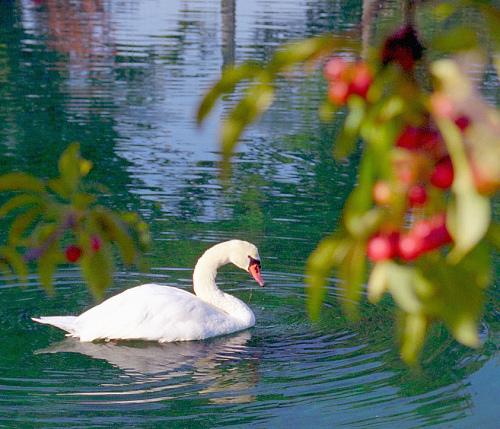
442,176
73,253
409,138
417,195
381,247
410,247
362,79
334,68
338,92
95,243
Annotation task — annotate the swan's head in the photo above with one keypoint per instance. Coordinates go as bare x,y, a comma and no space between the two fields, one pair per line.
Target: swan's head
245,255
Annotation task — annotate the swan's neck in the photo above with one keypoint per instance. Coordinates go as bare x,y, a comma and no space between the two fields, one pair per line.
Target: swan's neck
205,287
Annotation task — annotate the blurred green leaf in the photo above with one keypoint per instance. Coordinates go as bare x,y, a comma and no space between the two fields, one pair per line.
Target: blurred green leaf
257,99
21,223
346,141
443,10
20,182
458,293
97,269
358,219
19,201
82,201
69,167
413,331
113,229
330,252
59,187
47,265
401,283
459,38
491,14
378,282
353,273
469,214
16,262
231,77
493,235
302,51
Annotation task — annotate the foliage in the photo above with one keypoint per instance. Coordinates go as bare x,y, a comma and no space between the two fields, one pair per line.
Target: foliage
56,222
418,224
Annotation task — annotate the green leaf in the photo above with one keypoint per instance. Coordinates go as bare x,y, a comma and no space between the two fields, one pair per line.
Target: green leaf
346,141
21,223
378,282
82,201
16,261
358,219
257,99
97,269
47,266
302,51
231,77
401,283
69,168
469,214
353,272
19,201
459,38
113,228
20,182
493,235
329,253
413,330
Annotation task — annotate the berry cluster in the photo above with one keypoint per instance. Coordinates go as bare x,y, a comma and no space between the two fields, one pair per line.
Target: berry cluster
73,252
425,235
423,162
346,79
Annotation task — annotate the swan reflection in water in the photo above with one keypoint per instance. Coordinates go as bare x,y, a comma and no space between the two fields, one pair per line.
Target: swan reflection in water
224,368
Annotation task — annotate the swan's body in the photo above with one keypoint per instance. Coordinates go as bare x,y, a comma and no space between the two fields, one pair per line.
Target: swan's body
166,314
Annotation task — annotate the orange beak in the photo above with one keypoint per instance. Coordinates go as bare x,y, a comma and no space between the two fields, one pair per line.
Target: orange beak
254,270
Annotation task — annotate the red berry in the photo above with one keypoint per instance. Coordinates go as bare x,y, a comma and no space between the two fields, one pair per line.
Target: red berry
442,176
73,253
462,122
362,79
409,138
382,193
426,235
439,236
335,68
410,247
417,195
382,246
95,243
338,92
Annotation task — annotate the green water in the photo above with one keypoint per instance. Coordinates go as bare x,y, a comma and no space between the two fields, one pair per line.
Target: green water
123,79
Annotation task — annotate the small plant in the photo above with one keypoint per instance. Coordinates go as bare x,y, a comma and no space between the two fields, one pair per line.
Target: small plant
56,222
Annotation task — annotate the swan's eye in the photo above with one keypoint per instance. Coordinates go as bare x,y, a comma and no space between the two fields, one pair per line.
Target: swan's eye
254,262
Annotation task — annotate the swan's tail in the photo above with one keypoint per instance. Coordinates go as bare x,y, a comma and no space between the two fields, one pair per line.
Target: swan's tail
66,323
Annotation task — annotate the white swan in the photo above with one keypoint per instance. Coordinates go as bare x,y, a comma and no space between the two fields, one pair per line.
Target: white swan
165,314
